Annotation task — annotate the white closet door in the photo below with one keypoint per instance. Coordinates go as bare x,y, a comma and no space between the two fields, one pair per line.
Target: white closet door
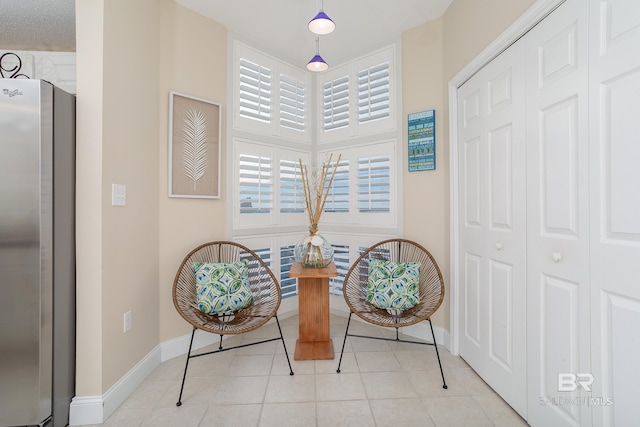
558,327
493,225
615,202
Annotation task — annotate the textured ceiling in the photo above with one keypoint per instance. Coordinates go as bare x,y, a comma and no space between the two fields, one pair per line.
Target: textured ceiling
277,26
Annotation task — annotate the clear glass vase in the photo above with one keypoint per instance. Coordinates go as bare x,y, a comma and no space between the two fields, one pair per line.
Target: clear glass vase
313,251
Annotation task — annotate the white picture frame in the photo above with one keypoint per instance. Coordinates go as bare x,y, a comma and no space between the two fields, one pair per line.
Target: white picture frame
194,147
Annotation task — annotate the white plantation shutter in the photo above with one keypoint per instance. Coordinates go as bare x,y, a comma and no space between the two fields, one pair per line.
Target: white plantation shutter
338,197
342,262
374,191
373,93
288,285
291,191
292,103
256,184
265,254
335,95
255,91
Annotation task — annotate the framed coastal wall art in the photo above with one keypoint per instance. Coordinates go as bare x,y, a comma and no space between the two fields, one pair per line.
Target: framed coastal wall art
194,147
422,141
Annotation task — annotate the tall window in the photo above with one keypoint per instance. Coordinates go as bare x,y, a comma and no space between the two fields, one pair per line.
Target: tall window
271,132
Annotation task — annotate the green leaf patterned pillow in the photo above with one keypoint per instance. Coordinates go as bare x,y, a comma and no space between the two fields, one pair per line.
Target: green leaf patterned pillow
393,285
222,287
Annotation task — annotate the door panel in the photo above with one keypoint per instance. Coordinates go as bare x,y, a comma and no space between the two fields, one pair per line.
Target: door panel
471,307
558,332
500,171
559,169
615,203
621,153
559,345
493,225
500,314
471,191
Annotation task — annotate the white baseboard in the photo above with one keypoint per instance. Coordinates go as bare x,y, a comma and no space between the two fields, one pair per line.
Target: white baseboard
180,346
423,332
95,409
86,410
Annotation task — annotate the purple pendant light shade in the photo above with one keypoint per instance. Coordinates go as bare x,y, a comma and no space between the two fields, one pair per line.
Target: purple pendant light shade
317,63
321,23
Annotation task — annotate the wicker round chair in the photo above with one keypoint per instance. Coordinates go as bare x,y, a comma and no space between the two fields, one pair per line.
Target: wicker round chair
264,286
431,291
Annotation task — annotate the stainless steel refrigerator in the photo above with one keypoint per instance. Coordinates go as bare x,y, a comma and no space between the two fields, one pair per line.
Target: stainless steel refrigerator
37,253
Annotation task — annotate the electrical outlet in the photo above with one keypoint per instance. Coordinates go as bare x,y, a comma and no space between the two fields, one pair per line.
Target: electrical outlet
127,321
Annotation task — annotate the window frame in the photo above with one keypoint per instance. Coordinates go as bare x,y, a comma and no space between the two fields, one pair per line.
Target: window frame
277,69
350,71
355,218
252,221
347,231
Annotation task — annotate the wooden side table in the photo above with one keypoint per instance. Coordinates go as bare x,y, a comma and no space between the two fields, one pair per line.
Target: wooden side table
314,334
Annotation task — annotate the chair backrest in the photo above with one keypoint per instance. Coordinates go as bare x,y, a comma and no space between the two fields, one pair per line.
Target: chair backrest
264,286
398,250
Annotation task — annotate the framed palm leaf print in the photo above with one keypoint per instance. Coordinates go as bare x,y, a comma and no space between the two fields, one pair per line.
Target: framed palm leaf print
194,147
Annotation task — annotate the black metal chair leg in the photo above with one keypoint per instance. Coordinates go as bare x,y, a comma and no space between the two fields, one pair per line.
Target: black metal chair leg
284,346
184,376
220,346
435,345
344,342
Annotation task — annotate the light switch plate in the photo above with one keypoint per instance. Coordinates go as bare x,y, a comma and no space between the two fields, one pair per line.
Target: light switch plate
118,195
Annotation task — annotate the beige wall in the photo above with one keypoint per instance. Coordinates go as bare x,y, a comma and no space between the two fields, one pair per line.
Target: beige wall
117,140
425,198
130,157
194,62
471,25
129,55
89,29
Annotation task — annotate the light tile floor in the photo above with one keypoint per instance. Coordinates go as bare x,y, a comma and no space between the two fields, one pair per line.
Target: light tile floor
381,383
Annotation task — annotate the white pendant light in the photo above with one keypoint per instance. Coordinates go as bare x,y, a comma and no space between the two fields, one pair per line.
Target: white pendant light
321,23
317,63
